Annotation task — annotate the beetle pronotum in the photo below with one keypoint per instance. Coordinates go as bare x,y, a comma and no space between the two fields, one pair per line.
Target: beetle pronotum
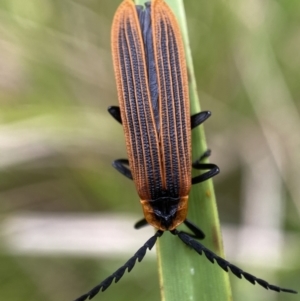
151,77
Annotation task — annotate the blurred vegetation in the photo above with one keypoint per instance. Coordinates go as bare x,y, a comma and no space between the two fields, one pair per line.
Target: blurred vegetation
57,140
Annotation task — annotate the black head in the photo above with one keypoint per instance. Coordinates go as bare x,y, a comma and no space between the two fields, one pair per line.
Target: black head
165,210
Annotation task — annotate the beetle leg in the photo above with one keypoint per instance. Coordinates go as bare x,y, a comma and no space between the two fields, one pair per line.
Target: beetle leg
120,167
198,233
114,111
140,224
213,169
199,118
206,154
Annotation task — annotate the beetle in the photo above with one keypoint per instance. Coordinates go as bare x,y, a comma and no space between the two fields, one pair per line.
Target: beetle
152,85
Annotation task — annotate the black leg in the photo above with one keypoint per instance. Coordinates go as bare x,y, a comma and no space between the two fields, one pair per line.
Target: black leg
119,166
206,154
199,118
198,233
225,265
118,274
213,169
140,224
114,111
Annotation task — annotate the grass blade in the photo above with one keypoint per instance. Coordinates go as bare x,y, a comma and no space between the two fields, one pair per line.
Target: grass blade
184,275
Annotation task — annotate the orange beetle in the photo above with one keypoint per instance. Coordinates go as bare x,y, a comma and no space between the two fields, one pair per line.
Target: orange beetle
151,77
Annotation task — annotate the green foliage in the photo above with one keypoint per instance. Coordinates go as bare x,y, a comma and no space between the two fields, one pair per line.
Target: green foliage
57,142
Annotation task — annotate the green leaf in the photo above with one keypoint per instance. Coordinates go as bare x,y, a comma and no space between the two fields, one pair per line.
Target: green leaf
184,274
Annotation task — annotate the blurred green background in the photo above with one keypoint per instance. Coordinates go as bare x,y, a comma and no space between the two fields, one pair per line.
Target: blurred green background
57,142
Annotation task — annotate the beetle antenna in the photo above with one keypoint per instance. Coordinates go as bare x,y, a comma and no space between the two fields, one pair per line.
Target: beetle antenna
118,274
212,257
